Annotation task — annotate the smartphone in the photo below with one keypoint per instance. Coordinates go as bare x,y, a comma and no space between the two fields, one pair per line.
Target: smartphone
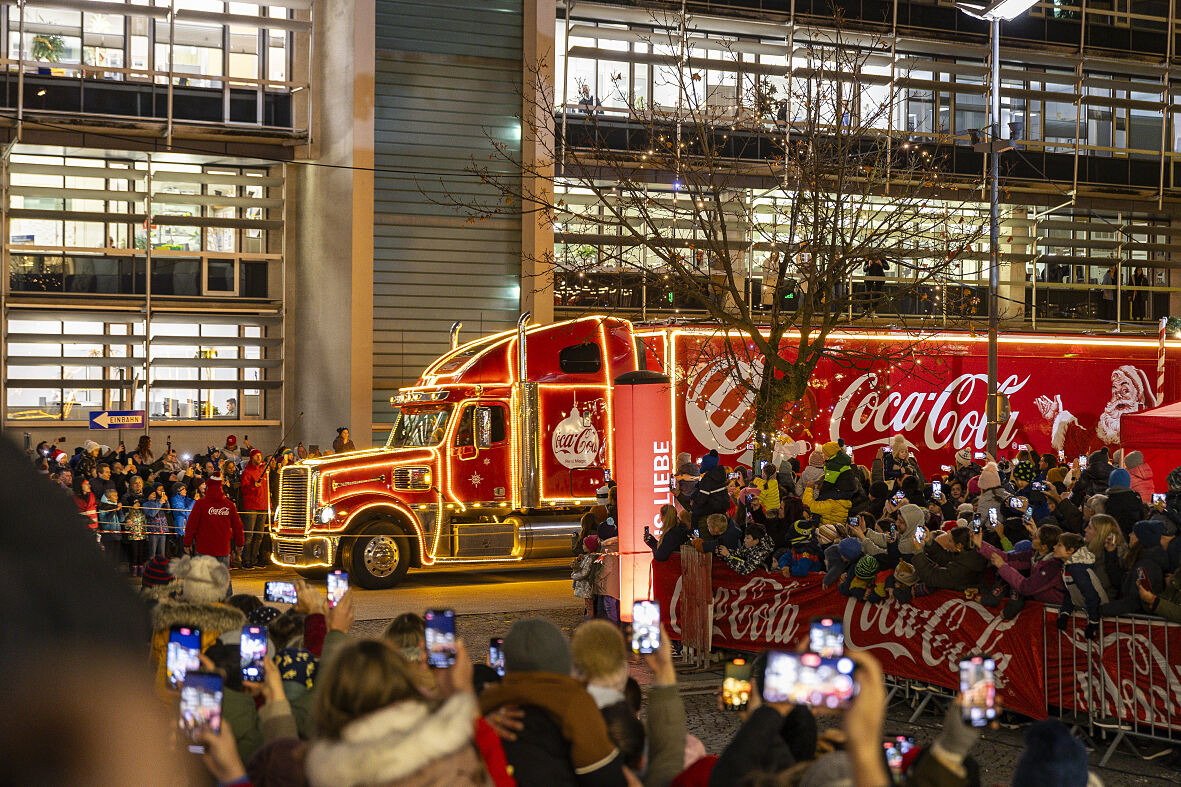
854,521
251,652
440,638
645,627
809,679
184,650
893,532
920,532
1082,463
1028,515
887,450
978,455
736,685
978,689
732,476
898,497
849,451
993,517
936,488
1039,486
1061,455
338,585
826,638
200,705
279,592
1158,498
1014,502
1023,447
945,468
1142,580
897,747
496,655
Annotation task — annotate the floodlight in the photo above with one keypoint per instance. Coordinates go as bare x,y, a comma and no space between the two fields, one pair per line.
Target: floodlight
1005,10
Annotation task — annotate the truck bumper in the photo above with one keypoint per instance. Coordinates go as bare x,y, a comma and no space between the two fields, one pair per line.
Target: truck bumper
309,552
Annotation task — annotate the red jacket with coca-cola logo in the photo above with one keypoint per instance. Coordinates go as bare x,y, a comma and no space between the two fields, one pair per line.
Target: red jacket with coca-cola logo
214,526
256,493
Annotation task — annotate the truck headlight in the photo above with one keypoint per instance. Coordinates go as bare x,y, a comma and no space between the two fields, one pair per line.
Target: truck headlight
327,514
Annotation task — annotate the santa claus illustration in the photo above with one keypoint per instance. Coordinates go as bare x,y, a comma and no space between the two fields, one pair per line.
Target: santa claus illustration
1131,392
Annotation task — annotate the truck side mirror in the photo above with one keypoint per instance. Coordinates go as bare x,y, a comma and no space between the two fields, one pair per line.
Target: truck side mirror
483,424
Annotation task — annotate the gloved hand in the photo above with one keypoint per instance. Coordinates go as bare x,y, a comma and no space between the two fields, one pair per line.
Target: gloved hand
1063,621
956,737
1092,630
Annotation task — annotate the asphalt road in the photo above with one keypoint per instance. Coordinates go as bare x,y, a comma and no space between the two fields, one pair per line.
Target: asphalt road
513,587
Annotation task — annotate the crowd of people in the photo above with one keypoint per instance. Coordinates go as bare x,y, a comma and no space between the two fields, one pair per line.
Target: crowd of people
1088,536
141,504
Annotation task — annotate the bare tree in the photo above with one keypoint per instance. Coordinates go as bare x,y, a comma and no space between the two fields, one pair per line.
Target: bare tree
800,172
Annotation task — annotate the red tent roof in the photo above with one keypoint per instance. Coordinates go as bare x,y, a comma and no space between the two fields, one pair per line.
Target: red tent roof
1155,433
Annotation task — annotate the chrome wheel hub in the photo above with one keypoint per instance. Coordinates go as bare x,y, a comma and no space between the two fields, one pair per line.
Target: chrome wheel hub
381,556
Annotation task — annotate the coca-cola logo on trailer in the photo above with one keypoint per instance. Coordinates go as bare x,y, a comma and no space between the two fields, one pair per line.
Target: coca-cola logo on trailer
720,412
575,441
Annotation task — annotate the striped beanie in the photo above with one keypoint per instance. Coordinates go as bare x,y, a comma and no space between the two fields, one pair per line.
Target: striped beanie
866,568
156,572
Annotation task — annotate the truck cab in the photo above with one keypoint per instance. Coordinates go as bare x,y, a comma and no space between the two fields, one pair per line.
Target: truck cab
492,457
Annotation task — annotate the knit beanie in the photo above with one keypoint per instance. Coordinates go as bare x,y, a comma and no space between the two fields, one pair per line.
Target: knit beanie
965,509
963,457
816,459
536,645
974,485
1133,460
900,446
206,580
709,461
801,530
912,515
1173,479
1117,457
990,477
878,490
866,568
1052,757
297,665
849,548
1024,471
1148,532
156,572
1119,477
827,534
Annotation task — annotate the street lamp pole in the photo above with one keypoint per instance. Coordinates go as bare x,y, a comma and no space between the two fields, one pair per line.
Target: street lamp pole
994,236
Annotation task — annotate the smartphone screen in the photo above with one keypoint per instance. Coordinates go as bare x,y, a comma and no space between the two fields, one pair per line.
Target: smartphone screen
1014,502
936,488
252,650
854,521
736,685
993,517
200,705
1142,579
920,532
733,476
826,638
898,496
1158,498
945,468
887,450
645,627
808,679
897,747
338,584
1082,462
184,649
440,638
978,687
279,592
496,655
978,455
849,451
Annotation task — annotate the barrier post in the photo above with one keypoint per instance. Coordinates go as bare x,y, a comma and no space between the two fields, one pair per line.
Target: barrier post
697,596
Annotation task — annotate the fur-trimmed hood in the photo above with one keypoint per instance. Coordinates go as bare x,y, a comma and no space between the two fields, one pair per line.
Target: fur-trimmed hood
210,618
392,744
161,593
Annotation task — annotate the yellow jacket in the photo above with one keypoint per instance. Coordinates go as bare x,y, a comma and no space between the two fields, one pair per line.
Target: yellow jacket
831,512
768,495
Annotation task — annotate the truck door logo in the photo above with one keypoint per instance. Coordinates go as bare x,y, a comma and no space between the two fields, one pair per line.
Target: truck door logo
575,441
719,410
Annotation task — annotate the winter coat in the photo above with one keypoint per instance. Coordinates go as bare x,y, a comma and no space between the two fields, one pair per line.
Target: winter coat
731,538
1152,563
181,506
768,496
666,728
212,619
88,508
996,498
214,526
1083,587
110,518
757,747
711,495
747,560
1125,506
156,516
256,493
670,543
831,512
800,562
1067,516
135,525
407,743
1093,480
1142,482
1044,582
940,568
341,446
1168,601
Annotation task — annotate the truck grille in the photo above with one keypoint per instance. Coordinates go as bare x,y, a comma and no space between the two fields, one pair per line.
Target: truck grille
402,478
294,495
289,552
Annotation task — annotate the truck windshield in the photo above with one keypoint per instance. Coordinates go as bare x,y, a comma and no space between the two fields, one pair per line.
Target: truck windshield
415,427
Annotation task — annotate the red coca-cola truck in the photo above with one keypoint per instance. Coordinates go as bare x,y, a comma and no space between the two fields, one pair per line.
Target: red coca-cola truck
503,441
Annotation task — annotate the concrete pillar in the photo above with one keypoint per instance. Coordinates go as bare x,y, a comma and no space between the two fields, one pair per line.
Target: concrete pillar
537,154
1015,241
329,337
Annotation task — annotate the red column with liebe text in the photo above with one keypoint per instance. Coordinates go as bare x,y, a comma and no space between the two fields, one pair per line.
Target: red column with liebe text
642,417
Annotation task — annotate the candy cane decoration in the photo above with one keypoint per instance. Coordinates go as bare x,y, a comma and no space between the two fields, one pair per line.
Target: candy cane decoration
1160,364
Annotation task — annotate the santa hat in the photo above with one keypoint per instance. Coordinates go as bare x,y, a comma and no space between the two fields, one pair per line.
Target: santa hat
1139,382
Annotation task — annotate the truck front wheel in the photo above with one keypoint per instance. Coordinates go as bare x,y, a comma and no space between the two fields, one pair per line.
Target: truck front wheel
379,556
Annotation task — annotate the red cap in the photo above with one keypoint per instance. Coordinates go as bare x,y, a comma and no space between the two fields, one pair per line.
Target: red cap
231,441
254,451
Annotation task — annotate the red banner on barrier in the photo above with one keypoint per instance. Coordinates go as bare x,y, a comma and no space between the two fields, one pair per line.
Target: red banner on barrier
1133,672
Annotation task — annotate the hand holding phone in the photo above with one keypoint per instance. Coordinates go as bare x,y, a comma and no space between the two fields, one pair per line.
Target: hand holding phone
978,690
645,627
496,655
826,638
252,651
200,705
338,585
183,654
809,679
278,592
736,685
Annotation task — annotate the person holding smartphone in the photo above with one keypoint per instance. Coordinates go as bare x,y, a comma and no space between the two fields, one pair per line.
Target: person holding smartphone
1144,564
1034,573
948,561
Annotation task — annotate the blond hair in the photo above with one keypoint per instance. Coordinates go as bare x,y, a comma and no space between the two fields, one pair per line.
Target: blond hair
1104,525
716,524
600,654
